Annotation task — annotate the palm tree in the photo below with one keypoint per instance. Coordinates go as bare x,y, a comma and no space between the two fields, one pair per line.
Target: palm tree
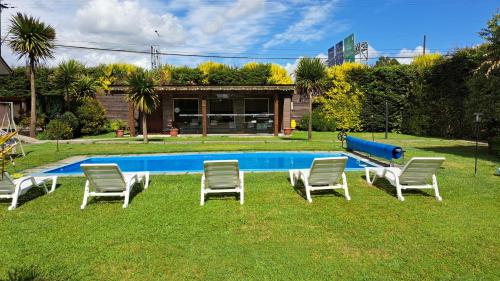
141,92
33,39
309,77
66,76
85,86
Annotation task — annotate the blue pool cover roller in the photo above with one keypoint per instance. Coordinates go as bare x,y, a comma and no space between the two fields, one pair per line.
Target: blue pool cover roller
382,150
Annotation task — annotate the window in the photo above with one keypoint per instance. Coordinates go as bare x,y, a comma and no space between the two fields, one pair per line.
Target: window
256,109
257,116
186,112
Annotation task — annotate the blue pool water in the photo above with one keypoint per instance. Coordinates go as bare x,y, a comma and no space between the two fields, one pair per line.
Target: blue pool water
178,163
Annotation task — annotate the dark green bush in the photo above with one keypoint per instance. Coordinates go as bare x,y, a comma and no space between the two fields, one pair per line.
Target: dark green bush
58,130
92,117
321,122
186,76
71,120
255,75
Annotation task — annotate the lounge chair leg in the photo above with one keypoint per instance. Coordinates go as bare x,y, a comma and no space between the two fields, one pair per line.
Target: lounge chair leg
85,199
292,177
44,185
308,195
436,190
146,183
54,184
127,196
344,186
85,195
202,198
400,194
13,205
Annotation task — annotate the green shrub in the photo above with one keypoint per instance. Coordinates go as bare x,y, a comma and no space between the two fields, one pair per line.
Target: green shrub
321,122
117,124
71,120
186,76
92,117
58,130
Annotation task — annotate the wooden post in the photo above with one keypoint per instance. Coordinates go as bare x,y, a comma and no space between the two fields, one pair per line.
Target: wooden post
276,114
131,119
204,115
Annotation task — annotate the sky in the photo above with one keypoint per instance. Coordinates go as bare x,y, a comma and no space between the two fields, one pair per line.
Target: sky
250,28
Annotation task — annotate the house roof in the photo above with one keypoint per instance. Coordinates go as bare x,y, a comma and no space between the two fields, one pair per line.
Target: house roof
4,67
210,88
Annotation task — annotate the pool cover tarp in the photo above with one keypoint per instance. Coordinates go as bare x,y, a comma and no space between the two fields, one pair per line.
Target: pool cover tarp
382,150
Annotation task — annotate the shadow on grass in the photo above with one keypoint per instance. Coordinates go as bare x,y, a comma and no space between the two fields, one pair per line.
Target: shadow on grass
388,188
301,191
222,196
32,194
464,151
136,189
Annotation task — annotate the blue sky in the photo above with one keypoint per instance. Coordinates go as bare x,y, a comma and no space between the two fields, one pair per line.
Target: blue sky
257,28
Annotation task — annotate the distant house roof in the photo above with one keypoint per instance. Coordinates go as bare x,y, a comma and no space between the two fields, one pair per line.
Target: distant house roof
4,67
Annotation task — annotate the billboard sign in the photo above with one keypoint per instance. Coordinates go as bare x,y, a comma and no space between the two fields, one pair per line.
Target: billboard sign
349,50
339,53
331,56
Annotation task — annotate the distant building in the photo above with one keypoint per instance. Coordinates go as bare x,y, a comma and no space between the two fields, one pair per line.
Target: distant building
212,109
4,67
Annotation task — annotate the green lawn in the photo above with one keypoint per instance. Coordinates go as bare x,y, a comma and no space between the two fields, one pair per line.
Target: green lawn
276,235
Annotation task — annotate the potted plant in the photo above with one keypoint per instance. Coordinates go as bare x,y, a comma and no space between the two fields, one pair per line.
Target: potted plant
119,127
174,132
287,131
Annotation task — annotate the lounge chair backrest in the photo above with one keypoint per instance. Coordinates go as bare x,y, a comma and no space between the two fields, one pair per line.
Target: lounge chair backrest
326,171
104,177
7,185
221,174
419,170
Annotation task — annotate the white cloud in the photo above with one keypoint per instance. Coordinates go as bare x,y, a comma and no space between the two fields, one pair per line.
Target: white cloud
310,27
128,21
419,50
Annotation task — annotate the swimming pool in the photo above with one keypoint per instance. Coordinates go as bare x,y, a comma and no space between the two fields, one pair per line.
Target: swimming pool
193,162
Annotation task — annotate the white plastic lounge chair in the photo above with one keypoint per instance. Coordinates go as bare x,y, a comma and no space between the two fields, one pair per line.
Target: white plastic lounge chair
12,189
325,173
222,177
108,180
415,175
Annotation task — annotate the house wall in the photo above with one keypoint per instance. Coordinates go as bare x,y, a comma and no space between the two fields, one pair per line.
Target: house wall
117,108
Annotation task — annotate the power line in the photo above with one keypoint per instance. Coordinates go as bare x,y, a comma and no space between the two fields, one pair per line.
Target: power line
202,55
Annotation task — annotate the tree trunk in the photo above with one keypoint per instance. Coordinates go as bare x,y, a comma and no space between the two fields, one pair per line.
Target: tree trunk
33,99
309,131
144,128
131,119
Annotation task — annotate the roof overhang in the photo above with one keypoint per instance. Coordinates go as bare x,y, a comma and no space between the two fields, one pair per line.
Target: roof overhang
4,67
171,88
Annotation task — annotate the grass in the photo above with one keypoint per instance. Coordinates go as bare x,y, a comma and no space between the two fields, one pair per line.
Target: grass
276,235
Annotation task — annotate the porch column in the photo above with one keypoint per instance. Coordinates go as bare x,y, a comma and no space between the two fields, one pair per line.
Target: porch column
287,112
131,119
276,114
204,115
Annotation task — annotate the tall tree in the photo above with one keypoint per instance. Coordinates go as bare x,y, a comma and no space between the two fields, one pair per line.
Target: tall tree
32,39
66,77
309,77
484,84
141,92
386,61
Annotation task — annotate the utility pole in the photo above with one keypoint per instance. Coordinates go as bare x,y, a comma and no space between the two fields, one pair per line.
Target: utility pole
425,43
2,6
